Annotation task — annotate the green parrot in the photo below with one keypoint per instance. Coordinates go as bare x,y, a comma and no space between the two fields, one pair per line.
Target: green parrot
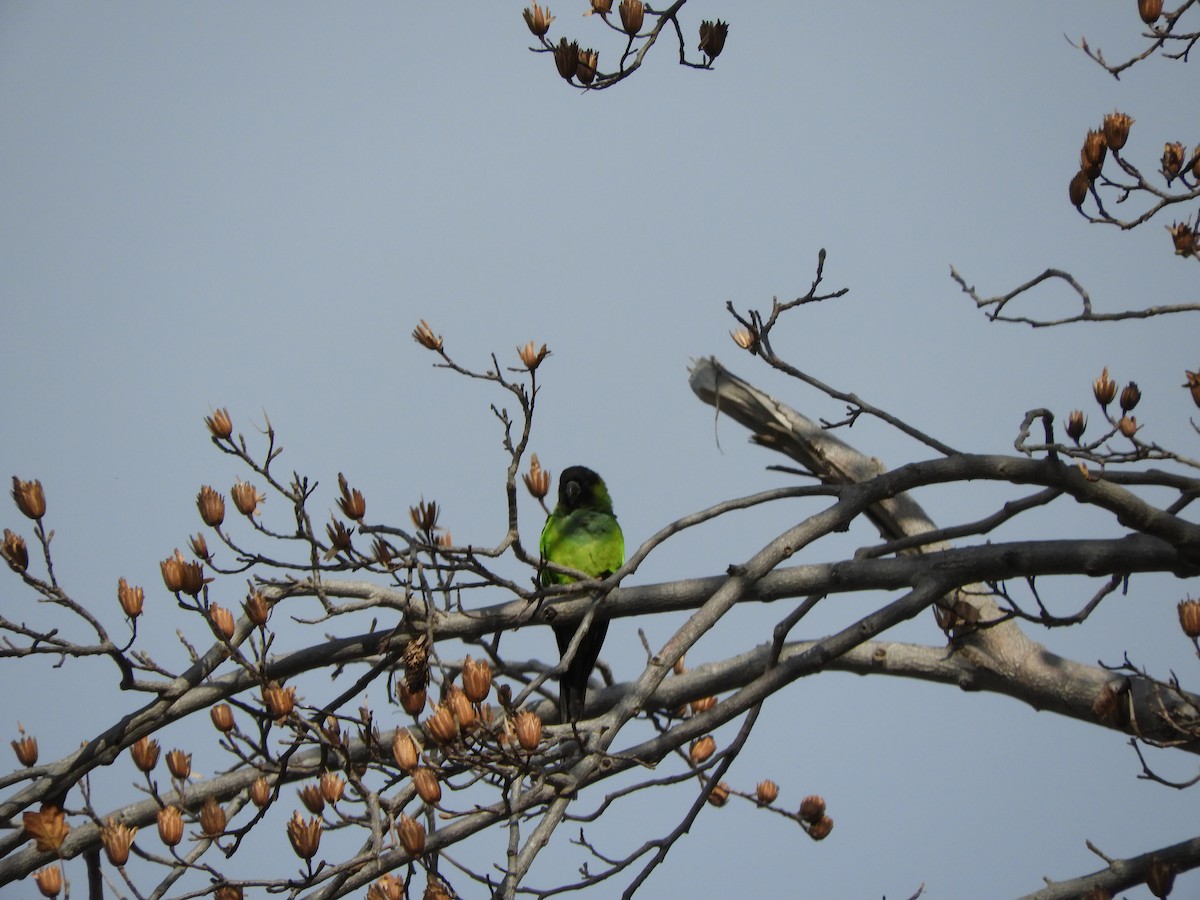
581,533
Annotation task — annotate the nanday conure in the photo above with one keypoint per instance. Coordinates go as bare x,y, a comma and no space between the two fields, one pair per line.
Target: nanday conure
581,533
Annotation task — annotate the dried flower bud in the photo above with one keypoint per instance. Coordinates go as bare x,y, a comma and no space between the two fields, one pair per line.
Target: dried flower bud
1192,384
117,839
381,551
211,506
48,827
170,825
820,829
280,701
1185,239
15,551
1150,10
199,547
531,358
25,747
424,336
589,61
719,795
476,679
566,58
333,786
389,887
1104,389
405,750
1091,155
712,38
812,808
222,621
538,20
766,793
258,609
538,480
49,880
425,515
703,705
1077,190
130,598
426,782
145,753
228,892
412,835
632,13
29,497
604,7
413,702
441,726
179,764
1076,425
435,890
702,749
352,503
1128,426
1172,160
1189,621
1160,878
1116,129
1130,396
310,796
246,498
461,708
528,727
212,818
219,424
742,338
222,717
305,836
339,538
260,792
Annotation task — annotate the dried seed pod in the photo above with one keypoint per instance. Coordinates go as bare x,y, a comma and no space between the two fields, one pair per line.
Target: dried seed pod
412,835
425,780
222,717
405,750
219,424
766,793
441,726
305,836
145,753
476,679
49,880
179,764
212,818
117,838
702,749
528,728
170,825
719,795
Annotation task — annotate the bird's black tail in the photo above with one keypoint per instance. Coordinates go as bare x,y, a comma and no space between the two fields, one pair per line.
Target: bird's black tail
572,686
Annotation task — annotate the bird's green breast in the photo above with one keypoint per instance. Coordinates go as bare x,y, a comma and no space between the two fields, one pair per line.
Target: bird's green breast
584,539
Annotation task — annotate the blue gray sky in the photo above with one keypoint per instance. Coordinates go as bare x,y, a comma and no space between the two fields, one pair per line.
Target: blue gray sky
251,205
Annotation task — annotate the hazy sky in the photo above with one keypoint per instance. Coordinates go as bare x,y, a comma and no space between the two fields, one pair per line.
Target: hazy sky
251,205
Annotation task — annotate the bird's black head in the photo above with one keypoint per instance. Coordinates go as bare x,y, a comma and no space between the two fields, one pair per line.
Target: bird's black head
581,488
